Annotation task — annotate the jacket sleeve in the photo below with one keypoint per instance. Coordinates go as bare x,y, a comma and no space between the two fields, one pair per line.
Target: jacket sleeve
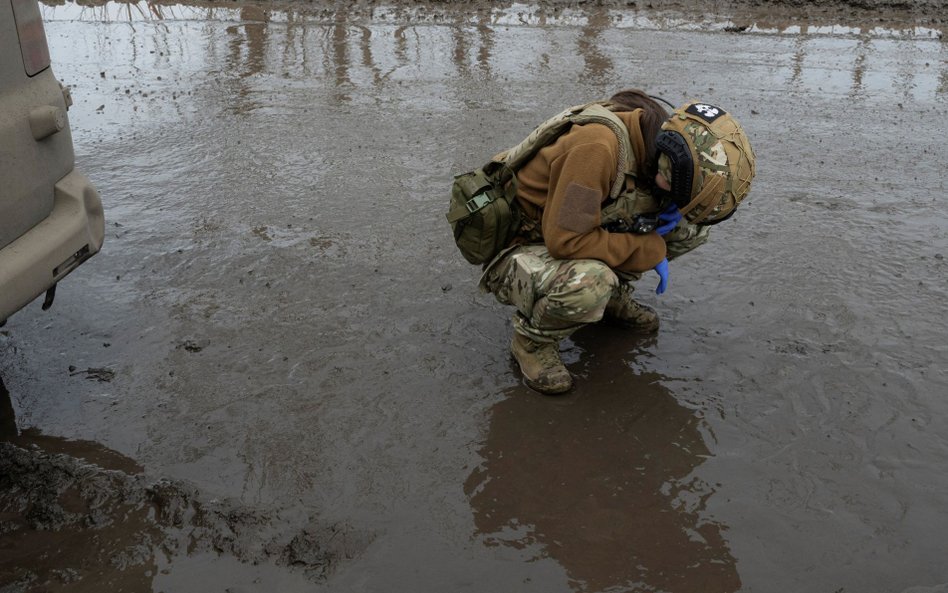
580,179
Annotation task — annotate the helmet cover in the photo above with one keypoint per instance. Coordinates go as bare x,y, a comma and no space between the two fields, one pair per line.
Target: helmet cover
723,162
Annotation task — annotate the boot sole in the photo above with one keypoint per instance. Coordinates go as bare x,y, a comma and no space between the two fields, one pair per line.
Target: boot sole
546,391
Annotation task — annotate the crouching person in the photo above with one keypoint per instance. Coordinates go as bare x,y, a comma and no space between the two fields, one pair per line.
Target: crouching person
600,194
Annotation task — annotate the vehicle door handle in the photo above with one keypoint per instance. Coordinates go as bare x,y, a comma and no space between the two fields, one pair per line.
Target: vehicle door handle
46,121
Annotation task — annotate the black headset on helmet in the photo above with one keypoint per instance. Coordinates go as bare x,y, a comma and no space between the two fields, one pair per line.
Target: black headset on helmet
674,146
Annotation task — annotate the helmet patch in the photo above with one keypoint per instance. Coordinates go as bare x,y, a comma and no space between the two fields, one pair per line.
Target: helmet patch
708,113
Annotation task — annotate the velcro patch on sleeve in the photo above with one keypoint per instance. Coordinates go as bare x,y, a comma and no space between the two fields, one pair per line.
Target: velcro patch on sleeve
579,212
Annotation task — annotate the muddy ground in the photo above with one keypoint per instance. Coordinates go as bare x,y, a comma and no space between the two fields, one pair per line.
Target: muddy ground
279,374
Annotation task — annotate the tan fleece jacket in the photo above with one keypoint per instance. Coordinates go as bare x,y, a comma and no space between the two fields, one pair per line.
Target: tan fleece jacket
564,187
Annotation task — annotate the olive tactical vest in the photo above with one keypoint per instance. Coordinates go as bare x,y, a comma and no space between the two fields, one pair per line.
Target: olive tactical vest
484,213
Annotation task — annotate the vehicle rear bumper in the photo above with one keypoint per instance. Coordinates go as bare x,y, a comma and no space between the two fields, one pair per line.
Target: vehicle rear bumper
72,233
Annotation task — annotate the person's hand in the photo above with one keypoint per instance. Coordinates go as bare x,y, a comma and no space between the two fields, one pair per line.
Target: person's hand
668,220
662,269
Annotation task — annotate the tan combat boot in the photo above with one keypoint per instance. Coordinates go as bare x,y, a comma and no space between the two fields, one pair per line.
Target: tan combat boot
626,312
541,365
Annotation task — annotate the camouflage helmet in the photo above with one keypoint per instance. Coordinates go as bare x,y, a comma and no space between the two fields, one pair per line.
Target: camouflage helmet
708,160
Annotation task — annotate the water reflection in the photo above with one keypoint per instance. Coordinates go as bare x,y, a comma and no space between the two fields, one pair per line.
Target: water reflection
367,59
401,44
598,66
486,35
859,67
295,52
247,53
338,58
796,62
134,10
255,36
482,46
602,480
908,70
358,47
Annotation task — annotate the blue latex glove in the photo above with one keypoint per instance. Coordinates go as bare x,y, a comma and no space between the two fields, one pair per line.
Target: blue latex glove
662,269
668,220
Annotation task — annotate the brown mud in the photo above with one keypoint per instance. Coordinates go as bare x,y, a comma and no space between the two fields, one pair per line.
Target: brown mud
841,10
76,516
739,15
279,374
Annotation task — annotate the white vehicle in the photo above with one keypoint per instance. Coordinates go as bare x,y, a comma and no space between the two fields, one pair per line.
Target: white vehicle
51,217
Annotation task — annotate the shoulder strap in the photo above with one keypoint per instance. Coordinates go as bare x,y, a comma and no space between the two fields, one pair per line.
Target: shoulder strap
547,133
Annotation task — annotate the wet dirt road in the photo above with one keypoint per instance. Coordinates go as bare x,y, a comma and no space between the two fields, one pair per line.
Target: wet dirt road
279,374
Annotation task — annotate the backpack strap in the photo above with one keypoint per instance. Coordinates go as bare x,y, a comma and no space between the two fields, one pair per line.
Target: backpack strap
547,133
500,172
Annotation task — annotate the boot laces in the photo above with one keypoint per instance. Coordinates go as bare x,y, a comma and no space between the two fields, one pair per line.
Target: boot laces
548,355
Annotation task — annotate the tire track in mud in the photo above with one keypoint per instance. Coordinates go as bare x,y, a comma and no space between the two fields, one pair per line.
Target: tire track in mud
65,521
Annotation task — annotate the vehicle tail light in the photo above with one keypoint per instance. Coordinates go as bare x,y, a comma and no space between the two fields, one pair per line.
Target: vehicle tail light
29,26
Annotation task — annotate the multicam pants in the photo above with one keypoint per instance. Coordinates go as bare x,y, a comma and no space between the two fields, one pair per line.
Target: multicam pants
555,297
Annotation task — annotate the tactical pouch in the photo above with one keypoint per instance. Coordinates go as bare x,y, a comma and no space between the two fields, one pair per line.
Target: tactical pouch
483,213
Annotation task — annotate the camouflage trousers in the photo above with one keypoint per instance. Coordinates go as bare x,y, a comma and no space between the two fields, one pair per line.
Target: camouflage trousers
555,297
